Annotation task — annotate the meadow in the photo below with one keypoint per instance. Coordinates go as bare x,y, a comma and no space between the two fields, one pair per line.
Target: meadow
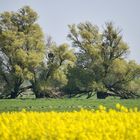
66,104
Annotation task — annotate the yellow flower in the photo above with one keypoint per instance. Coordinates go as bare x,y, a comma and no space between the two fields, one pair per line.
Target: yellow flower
80,125
118,106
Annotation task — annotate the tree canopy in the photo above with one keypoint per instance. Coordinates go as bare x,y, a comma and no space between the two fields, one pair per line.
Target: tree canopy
21,48
51,77
101,62
97,63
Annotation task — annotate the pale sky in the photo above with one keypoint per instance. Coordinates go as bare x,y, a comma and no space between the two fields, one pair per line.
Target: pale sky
55,15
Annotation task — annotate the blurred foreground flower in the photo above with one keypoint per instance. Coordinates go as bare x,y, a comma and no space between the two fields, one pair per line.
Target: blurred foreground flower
120,124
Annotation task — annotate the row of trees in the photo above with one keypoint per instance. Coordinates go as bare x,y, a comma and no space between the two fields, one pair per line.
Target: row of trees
96,66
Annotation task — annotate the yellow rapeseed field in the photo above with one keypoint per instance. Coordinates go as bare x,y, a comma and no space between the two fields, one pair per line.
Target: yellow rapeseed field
119,124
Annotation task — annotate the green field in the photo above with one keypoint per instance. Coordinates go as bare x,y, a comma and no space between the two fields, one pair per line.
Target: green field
62,104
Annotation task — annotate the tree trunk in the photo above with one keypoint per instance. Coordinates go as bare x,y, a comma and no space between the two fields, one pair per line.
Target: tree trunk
36,90
13,95
39,95
101,95
16,91
89,95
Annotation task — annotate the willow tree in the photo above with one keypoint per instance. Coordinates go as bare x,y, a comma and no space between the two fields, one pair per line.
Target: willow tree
101,60
52,76
21,49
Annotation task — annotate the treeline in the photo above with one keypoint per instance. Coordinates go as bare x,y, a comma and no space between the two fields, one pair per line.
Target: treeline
95,64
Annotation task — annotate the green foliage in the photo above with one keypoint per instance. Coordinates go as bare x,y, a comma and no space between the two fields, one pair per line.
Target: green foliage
52,77
98,65
21,47
102,56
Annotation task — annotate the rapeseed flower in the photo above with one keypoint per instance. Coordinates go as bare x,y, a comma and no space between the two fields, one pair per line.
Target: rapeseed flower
120,124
